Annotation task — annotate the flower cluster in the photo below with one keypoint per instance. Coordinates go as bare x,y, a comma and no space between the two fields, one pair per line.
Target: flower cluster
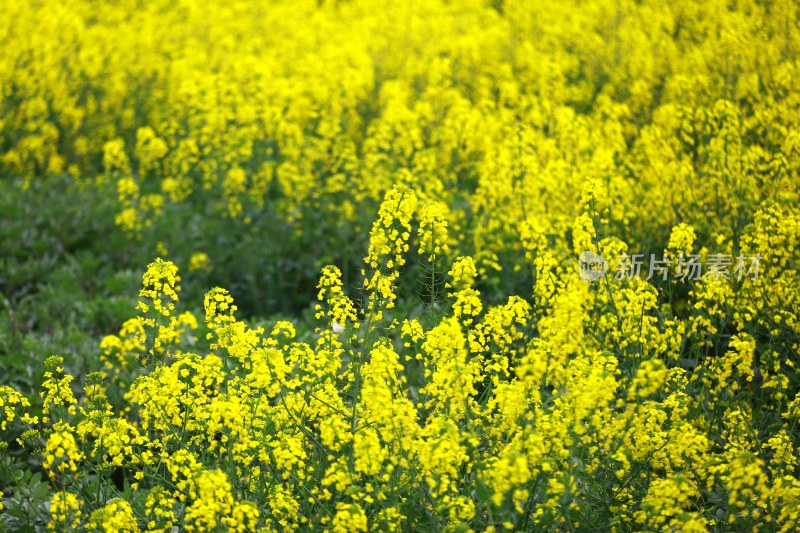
490,416
469,379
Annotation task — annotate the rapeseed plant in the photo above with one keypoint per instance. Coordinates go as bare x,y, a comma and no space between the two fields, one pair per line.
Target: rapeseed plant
497,142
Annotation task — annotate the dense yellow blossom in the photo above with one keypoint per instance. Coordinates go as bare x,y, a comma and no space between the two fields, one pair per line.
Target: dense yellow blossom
61,454
117,515
466,154
65,511
10,400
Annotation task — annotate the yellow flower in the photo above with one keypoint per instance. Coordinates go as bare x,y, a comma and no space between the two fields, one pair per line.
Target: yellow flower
65,511
681,240
117,515
61,454
198,261
340,310
9,400
349,518
433,236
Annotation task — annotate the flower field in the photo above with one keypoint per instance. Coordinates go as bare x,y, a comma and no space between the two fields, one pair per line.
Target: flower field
355,265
